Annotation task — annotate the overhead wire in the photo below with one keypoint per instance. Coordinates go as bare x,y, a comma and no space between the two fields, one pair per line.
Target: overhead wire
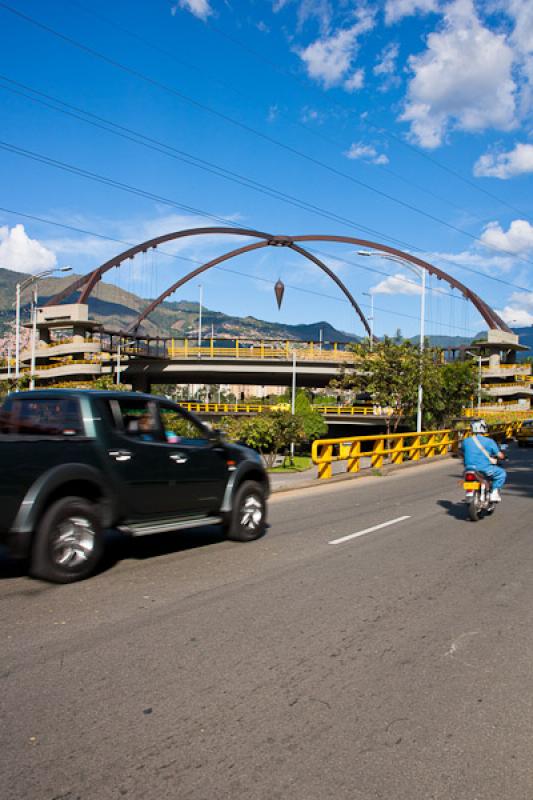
227,118
404,143
209,215
247,97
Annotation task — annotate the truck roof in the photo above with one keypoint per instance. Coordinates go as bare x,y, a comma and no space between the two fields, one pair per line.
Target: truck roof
78,393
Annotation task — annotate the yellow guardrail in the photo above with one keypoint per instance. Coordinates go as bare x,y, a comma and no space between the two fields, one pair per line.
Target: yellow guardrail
395,448
259,408
517,367
261,350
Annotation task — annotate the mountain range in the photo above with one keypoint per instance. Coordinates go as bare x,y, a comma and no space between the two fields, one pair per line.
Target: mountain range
116,309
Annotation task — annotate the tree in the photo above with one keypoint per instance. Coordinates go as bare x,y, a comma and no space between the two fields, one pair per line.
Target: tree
313,423
459,383
391,373
107,383
269,433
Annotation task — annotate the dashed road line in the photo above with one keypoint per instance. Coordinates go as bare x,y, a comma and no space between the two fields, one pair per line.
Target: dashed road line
369,530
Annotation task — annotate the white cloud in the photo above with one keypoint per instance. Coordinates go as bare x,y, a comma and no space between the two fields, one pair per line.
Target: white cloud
517,161
470,258
385,68
521,12
273,113
397,284
366,152
200,8
387,60
330,59
514,316
22,254
520,309
309,114
397,9
463,80
355,81
518,239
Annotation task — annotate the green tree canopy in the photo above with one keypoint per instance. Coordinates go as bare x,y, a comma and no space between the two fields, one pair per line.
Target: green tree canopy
391,373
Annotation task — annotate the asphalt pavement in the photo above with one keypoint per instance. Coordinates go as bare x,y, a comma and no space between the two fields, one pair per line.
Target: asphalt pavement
312,664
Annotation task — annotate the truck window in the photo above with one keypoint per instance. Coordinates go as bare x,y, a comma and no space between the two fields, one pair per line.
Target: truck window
181,429
41,416
138,419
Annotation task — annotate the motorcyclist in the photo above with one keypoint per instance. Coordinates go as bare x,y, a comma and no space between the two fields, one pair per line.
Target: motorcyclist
482,453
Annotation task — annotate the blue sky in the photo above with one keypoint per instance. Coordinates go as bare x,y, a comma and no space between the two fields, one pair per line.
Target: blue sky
404,121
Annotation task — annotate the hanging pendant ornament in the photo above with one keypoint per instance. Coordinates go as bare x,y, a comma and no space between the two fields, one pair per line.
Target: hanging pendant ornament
279,290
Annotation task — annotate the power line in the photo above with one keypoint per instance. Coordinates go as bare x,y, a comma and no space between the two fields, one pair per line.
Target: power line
446,168
166,201
247,97
249,129
111,182
277,68
180,155
141,139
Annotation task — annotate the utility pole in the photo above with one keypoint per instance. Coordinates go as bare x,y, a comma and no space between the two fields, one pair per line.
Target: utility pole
293,395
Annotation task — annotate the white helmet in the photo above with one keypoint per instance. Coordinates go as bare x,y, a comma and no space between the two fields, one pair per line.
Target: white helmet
479,426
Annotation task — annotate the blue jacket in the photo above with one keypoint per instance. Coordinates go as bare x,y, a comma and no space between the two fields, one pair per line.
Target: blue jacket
474,457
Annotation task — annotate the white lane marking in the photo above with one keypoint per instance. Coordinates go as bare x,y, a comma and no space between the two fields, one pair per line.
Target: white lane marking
368,530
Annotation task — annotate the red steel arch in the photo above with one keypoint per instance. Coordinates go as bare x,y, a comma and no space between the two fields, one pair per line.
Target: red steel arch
89,282
239,251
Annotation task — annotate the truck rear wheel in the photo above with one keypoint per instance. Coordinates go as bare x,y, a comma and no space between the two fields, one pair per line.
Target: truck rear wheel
68,542
247,520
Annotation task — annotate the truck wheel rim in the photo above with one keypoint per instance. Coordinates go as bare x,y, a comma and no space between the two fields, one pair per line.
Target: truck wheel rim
74,542
251,513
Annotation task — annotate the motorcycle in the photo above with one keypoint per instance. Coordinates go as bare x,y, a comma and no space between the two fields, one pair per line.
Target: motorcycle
478,487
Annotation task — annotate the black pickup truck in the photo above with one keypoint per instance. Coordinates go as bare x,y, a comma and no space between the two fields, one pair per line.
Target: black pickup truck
73,463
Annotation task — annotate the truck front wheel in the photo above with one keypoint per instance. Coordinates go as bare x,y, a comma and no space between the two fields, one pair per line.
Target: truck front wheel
68,542
247,520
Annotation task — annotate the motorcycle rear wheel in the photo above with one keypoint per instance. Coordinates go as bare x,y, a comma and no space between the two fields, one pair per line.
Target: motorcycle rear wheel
474,508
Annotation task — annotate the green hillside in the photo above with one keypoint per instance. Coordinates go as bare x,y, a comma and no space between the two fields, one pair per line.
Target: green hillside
116,309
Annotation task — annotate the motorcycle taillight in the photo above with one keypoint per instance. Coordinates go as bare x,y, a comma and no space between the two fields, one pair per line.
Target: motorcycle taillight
470,476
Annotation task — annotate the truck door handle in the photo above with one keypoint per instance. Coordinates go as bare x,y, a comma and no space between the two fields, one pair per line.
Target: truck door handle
178,458
120,455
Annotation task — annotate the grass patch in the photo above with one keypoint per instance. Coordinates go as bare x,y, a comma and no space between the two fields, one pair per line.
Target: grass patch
301,463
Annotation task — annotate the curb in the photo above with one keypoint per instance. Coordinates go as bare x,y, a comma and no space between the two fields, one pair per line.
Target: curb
366,473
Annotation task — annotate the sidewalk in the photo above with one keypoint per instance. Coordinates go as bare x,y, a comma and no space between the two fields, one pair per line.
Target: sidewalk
294,480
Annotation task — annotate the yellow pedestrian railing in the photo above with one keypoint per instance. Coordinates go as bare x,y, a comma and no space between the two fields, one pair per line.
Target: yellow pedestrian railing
353,411
309,351
517,367
394,448
259,408
224,408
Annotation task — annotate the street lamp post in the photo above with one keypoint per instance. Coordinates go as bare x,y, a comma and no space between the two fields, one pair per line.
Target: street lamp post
371,295
479,357
200,301
20,287
421,272
293,395
33,337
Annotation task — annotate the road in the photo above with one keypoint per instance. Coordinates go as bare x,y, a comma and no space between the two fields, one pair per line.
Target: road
394,665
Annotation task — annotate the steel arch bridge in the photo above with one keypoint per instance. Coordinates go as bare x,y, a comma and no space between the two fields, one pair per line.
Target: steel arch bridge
86,283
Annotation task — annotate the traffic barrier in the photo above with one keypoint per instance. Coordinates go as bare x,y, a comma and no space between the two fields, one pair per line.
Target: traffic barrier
395,448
